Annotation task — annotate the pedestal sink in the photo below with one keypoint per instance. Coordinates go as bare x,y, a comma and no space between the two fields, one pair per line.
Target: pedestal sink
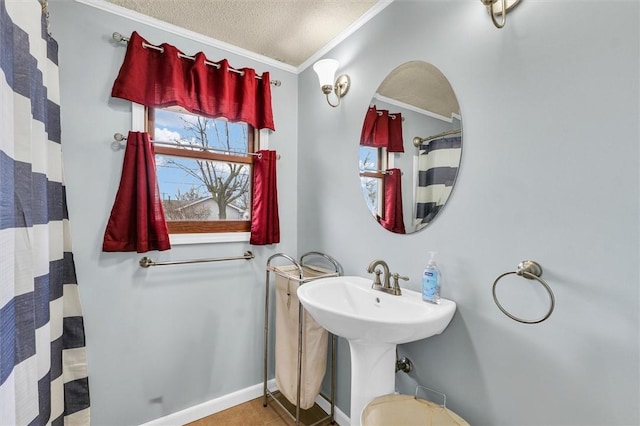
374,323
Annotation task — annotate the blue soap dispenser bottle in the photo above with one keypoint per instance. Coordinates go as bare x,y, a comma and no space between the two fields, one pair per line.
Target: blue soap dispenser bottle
431,280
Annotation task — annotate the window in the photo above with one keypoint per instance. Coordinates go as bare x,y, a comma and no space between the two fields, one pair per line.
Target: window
204,170
373,161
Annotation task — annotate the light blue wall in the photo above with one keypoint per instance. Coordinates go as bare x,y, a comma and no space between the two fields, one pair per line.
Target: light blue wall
555,180
163,339
549,172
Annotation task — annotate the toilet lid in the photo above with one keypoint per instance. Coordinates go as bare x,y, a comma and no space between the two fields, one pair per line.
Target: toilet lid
407,410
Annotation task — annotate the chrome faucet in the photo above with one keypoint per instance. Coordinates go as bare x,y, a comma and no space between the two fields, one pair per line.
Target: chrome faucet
386,285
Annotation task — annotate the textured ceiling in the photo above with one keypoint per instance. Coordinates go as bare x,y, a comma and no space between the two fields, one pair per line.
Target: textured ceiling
423,86
289,31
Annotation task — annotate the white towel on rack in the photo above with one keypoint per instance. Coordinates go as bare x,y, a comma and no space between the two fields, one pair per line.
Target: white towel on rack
314,346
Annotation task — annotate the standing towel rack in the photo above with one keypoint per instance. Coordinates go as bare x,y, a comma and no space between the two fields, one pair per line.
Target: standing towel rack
145,262
304,274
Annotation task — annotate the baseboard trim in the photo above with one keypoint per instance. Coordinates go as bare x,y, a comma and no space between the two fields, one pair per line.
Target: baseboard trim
213,406
340,417
241,396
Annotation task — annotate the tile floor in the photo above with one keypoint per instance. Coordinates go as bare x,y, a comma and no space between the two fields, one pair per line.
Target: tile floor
253,413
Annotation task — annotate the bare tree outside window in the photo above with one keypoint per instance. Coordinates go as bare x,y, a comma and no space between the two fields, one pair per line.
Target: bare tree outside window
370,186
227,184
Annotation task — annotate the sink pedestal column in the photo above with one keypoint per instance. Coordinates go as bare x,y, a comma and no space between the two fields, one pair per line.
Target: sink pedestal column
372,374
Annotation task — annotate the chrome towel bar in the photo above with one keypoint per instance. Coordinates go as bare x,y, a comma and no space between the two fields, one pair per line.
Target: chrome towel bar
145,262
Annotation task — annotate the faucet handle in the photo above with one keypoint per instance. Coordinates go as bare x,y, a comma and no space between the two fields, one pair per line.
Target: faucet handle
397,277
396,285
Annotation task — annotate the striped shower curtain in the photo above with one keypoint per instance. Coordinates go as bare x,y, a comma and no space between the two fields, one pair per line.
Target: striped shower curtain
438,162
43,371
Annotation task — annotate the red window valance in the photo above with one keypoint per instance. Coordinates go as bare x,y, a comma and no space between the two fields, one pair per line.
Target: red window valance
382,130
163,76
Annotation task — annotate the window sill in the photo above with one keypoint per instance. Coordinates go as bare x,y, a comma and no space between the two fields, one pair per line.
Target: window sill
228,237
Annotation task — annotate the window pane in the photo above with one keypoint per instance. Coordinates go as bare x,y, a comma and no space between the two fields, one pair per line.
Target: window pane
199,189
371,189
203,190
369,158
188,129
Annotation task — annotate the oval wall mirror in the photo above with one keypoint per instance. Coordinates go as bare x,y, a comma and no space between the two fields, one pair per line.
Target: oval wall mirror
410,147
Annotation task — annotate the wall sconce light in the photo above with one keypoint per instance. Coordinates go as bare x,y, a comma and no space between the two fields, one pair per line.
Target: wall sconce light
326,70
499,7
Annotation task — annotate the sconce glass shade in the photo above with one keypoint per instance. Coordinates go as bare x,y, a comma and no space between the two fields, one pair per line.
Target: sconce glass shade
326,70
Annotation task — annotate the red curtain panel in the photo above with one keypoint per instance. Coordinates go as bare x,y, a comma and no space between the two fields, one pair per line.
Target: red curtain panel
162,77
137,221
395,133
265,223
366,136
393,202
381,129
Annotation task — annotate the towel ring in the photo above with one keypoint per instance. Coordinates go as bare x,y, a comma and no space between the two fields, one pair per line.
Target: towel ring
532,271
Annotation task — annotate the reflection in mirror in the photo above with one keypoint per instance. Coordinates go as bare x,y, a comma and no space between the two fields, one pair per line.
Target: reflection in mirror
410,147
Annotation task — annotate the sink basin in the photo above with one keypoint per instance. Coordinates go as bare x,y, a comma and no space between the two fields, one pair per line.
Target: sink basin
350,308
374,323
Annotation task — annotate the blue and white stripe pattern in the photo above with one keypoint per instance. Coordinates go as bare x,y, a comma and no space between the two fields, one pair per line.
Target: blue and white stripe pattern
438,163
43,370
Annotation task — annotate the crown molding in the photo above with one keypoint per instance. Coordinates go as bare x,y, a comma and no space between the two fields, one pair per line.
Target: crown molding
377,8
209,41
409,107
